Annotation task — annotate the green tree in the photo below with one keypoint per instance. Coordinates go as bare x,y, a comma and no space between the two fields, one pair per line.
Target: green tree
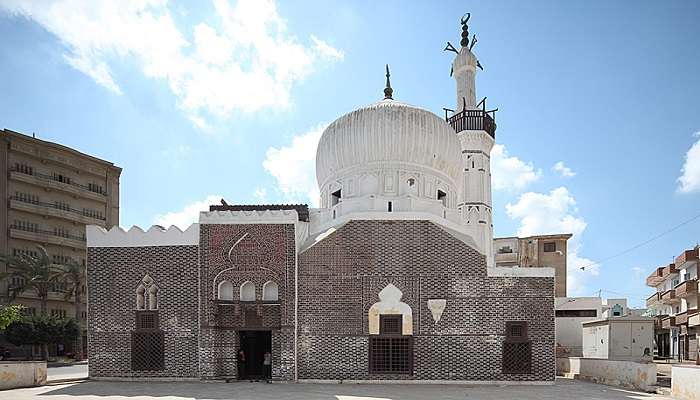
10,314
36,273
42,330
74,276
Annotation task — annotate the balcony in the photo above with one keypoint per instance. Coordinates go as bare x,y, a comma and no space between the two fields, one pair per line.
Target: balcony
682,318
688,256
48,181
656,277
668,322
669,297
686,288
54,210
669,270
474,120
658,321
694,320
653,299
44,236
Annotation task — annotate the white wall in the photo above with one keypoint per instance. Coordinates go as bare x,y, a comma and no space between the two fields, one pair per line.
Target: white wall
17,374
623,338
685,382
635,375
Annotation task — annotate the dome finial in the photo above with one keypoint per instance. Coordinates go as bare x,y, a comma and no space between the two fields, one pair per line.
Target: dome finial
388,91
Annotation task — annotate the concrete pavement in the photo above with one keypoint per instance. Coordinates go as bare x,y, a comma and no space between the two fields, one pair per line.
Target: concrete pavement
99,390
71,371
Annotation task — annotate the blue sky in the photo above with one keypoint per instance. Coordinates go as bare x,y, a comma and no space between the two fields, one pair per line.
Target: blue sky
198,100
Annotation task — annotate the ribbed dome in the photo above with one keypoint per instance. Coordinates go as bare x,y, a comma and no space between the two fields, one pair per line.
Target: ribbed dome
384,133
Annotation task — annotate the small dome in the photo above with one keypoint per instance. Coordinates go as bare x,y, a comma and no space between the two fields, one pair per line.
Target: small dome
384,134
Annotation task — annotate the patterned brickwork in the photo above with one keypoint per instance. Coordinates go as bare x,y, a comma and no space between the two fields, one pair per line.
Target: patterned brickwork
113,275
341,276
240,253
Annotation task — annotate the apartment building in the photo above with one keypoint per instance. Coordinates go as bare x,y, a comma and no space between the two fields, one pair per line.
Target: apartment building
675,306
51,192
535,251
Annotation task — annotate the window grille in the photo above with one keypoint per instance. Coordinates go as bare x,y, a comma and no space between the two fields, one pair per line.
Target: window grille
390,352
390,324
147,351
550,247
517,349
390,355
147,320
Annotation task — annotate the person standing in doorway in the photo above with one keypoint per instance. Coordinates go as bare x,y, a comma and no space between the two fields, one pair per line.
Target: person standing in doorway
267,363
241,364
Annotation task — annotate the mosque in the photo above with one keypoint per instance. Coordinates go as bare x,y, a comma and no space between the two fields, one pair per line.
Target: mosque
392,279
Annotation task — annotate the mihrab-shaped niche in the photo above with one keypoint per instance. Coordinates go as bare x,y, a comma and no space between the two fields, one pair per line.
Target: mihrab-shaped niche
390,304
147,294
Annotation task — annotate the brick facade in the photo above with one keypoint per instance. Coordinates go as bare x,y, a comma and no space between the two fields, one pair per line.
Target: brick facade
113,275
339,279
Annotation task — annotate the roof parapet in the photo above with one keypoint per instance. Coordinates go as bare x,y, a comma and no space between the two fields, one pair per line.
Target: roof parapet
156,235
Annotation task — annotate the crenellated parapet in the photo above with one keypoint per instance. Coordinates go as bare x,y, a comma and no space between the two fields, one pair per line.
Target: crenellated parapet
289,216
136,237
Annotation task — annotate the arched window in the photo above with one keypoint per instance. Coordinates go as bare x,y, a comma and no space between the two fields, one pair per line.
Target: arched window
153,297
270,291
147,294
225,290
141,298
247,291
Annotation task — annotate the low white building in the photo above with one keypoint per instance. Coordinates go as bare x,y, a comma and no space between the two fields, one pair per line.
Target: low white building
627,338
572,312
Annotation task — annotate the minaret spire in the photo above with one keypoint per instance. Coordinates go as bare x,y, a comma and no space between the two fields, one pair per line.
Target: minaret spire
388,91
465,30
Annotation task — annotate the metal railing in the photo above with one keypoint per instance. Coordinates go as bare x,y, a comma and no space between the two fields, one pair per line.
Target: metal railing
57,207
61,179
66,235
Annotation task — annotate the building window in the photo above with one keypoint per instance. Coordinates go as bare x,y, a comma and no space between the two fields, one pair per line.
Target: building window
517,351
270,291
225,290
24,168
505,250
147,343
390,352
576,313
550,247
442,197
58,313
335,197
83,315
411,182
389,206
247,291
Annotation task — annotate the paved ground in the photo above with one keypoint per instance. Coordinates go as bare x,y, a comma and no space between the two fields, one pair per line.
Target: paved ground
79,371
564,389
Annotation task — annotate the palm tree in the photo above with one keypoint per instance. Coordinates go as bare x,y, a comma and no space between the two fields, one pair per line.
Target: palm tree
35,272
74,276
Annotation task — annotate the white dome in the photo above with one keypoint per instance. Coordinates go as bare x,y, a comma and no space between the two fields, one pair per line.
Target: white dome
388,134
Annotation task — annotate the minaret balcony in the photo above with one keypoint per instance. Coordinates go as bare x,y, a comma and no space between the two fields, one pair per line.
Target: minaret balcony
474,120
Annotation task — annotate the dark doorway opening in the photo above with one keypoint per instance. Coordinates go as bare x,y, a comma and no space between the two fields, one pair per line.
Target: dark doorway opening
255,344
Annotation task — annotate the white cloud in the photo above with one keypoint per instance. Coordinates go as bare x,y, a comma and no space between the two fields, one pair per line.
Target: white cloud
260,195
556,212
294,167
509,172
188,215
563,170
689,181
638,272
249,62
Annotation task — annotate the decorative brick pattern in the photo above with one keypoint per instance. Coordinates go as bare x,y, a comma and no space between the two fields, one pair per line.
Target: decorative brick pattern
113,275
422,260
340,278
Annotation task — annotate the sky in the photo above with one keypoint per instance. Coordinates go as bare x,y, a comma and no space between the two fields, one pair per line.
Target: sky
598,121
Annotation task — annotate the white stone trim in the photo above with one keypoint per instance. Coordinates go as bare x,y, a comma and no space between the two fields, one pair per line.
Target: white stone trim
98,236
517,272
249,217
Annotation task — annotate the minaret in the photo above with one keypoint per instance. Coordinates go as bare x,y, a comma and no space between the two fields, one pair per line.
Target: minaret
475,128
